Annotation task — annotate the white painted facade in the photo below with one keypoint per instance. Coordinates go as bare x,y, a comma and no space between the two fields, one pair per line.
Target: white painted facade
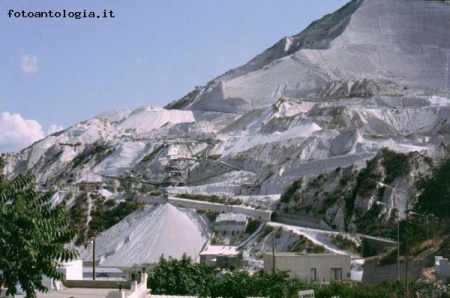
310,267
232,223
442,266
72,270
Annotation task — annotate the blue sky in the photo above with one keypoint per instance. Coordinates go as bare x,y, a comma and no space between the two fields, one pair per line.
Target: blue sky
57,72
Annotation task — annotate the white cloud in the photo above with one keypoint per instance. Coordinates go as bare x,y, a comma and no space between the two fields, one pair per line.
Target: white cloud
29,64
17,133
54,128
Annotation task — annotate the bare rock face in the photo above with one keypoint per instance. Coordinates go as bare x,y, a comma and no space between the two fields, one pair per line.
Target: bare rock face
401,41
372,75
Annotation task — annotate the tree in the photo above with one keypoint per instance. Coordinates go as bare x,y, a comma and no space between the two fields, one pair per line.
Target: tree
180,277
435,191
33,233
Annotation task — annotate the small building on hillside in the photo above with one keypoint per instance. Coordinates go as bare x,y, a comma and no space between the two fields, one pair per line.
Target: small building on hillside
310,267
441,266
232,223
87,186
103,273
72,270
220,256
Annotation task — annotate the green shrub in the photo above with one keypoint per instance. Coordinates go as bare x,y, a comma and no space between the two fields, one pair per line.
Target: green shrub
252,225
345,243
287,195
267,230
395,164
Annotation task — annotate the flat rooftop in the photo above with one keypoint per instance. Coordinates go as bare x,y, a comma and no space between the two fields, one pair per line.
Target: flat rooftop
220,250
73,292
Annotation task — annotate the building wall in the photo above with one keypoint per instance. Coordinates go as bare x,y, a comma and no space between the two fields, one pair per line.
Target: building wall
72,270
230,226
219,260
300,265
375,273
208,260
442,266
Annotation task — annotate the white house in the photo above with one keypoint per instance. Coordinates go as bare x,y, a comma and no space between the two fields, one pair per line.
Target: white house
220,256
441,266
232,223
310,267
72,270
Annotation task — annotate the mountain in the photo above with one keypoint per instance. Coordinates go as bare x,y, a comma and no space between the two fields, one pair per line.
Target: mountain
374,74
379,41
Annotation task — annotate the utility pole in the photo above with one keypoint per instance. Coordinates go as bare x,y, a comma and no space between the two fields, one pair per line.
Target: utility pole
273,251
407,251
428,233
409,197
93,258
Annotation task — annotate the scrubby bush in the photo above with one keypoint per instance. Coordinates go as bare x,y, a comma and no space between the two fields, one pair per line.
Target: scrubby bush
287,195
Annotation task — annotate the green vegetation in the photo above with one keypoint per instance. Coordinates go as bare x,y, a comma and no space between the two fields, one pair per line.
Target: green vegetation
78,217
103,218
214,156
305,245
104,214
152,154
332,199
211,215
98,150
184,277
267,230
289,193
395,164
366,185
368,178
204,198
252,225
435,191
180,277
345,243
212,199
389,257
278,232
33,234
344,181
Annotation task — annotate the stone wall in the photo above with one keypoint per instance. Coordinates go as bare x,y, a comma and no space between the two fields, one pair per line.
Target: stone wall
207,206
99,284
374,273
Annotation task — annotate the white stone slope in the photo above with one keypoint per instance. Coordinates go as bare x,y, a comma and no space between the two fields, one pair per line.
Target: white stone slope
146,235
373,74
254,250
365,77
398,40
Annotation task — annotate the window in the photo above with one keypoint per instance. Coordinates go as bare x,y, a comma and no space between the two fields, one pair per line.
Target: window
313,274
336,274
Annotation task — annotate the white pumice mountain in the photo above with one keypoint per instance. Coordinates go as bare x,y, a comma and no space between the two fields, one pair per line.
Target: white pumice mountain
315,108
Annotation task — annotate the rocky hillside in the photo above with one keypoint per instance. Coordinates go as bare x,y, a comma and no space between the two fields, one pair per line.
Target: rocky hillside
345,198
317,108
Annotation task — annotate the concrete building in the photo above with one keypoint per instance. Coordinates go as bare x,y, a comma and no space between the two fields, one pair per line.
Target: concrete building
220,256
103,273
441,266
231,223
72,270
310,267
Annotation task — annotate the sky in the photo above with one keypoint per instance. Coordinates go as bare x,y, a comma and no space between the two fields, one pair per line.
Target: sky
56,72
